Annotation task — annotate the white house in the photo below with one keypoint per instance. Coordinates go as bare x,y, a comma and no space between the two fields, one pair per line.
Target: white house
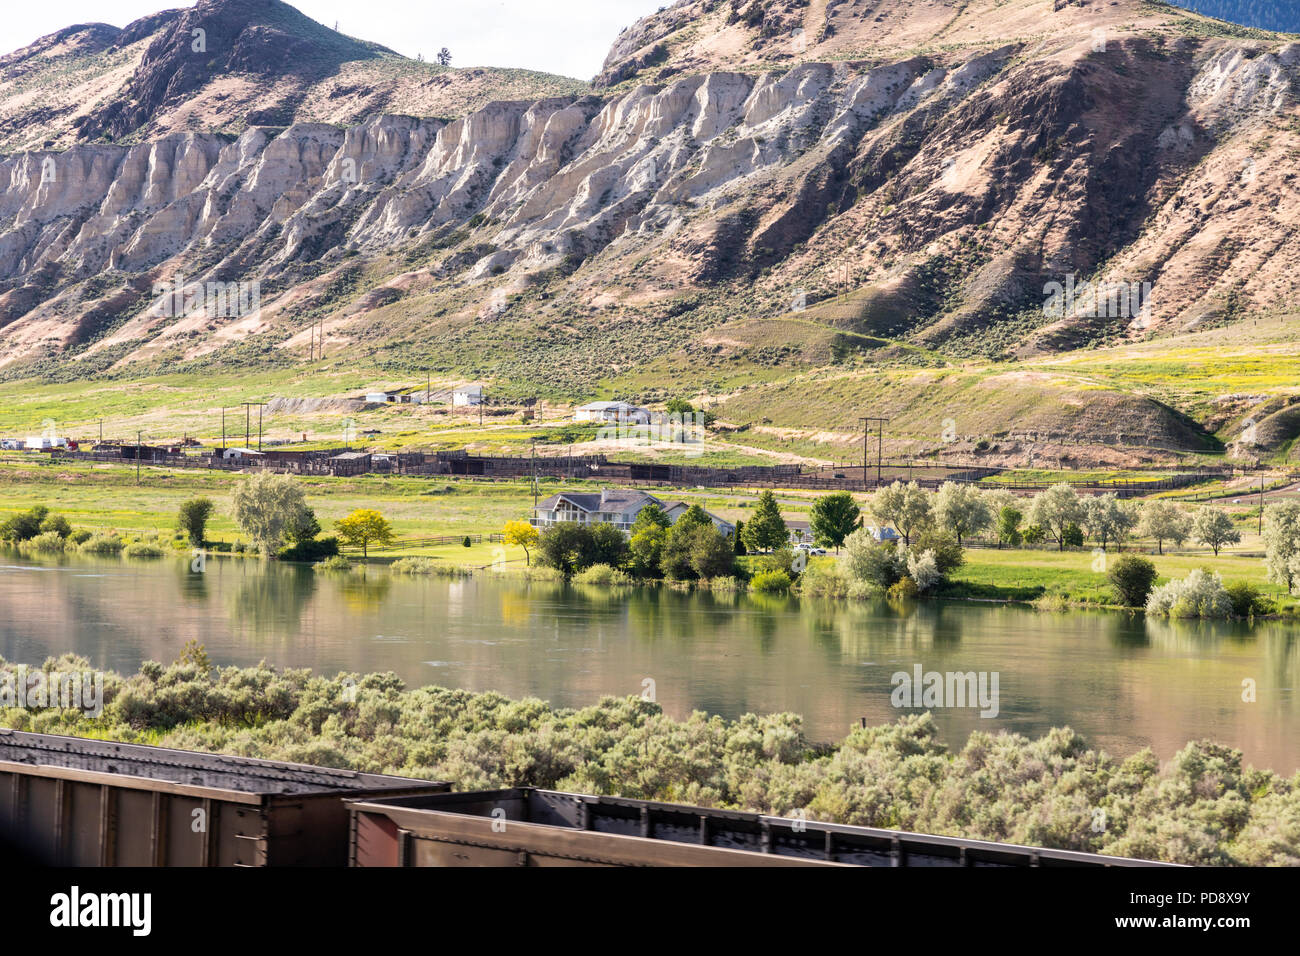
616,506
239,454
612,412
883,533
467,395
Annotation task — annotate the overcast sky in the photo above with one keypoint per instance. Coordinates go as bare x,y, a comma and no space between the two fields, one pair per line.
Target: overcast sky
569,37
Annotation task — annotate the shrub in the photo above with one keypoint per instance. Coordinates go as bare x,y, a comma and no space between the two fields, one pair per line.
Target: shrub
726,582
143,549
103,544
868,561
336,563
47,542
603,575
923,570
56,524
904,589
774,582
311,550
1131,579
80,536
1199,595
948,555
1247,601
466,543
412,566
824,579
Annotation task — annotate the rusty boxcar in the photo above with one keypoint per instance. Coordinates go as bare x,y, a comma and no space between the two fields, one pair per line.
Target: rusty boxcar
79,802
531,827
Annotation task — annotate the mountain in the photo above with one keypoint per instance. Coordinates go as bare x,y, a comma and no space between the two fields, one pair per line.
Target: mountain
749,190
221,66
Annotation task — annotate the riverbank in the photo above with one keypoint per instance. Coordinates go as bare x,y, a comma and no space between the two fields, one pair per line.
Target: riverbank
1202,807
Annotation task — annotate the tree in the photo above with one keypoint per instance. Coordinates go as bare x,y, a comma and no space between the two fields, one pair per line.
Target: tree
192,520
520,534
303,528
1105,519
444,57
711,553
1164,521
58,524
25,525
738,538
646,548
653,516
870,561
571,547
1213,526
265,505
1282,543
365,527
1131,579
906,507
608,545
833,518
1054,510
1009,519
962,510
766,530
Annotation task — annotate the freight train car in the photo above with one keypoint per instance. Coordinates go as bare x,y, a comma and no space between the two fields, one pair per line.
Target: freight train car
531,827
79,802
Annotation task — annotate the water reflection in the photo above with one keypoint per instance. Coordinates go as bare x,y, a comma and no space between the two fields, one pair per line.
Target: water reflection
1121,680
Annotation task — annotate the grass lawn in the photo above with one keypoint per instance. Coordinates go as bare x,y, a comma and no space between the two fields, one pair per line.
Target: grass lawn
1017,574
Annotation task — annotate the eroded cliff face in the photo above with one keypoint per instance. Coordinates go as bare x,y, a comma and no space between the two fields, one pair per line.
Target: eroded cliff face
926,196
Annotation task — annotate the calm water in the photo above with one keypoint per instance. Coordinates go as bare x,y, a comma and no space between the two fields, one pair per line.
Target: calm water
1123,682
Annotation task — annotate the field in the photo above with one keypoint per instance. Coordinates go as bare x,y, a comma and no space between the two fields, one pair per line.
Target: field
99,496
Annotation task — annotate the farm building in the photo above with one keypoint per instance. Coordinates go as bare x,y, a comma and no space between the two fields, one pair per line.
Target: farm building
239,454
350,463
467,395
622,412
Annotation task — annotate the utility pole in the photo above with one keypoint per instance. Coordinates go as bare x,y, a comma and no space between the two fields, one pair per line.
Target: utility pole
248,423
880,446
137,457
223,431
534,447
1261,505
101,431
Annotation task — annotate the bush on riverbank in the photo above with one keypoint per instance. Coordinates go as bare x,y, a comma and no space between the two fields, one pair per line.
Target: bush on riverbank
102,544
1203,807
603,575
1199,595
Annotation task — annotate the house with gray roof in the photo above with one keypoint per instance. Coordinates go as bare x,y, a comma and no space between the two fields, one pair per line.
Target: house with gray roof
616,506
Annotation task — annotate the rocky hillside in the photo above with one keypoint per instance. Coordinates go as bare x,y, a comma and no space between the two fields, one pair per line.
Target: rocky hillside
906,179
221,66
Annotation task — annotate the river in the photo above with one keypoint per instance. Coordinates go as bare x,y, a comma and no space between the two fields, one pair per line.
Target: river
1120,680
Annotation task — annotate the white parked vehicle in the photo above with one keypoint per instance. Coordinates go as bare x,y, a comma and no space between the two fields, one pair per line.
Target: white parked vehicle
12,444
810,548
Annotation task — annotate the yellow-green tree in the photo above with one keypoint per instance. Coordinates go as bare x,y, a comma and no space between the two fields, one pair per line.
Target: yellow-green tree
521,534
365,527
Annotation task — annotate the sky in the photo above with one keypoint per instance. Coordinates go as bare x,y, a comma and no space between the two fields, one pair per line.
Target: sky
569,37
